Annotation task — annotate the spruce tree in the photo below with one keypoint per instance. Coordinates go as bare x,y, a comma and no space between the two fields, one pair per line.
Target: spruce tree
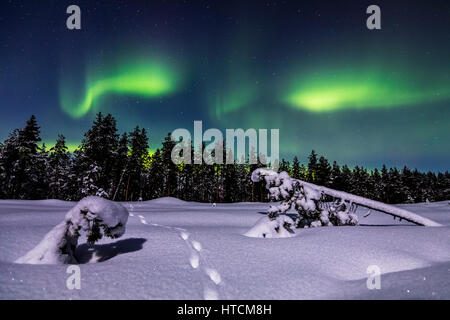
97,157
170,169
59,166
156,177
231,180
135,168
312,167
323,172
30,169
284,166
377,191
296,174
9,158
335,177
120,169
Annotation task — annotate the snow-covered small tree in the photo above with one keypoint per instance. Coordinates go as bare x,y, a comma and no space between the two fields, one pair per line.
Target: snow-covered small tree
309,203
321,206
94,215
89,182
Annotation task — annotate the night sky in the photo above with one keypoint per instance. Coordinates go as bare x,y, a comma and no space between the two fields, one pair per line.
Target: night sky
310,68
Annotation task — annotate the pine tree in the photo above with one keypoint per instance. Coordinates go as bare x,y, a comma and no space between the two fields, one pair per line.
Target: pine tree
285,166
170,169
30,169
97,156
258,189
156,177
9,158
312,167
335,177
120,168
59,166
135,167
393,189
377,191
323,172
408,184
384,184
296,174
346,178
231,179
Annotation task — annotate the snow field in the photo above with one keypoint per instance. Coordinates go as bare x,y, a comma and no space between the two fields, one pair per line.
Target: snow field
166,238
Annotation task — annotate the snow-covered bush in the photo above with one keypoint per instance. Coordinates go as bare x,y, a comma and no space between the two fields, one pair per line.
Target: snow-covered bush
266,227
94,215
313,207
322,206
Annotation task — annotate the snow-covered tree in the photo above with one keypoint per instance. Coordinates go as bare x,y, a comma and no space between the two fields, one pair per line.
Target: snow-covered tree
156,176
9,158
170,169
89,182
278,227
135,166
323,172
120,168
321,206
23,164
93,215
309,203
312,167
59,166
98,153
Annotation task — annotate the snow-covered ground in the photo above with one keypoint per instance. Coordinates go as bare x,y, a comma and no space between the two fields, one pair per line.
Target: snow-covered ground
181,250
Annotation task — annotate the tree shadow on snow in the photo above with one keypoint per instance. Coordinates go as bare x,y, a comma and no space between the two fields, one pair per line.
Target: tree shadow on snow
387,225
294,216
290,215
86,253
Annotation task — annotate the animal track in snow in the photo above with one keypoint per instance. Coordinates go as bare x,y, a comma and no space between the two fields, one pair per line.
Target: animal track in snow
143,221
197,245
213,275
210,294
194,260
184,235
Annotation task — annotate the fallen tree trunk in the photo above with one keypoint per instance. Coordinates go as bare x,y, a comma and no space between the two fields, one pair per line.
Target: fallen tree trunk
308,196
375,205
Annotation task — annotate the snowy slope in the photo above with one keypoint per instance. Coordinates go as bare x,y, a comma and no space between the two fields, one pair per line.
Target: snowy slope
179,250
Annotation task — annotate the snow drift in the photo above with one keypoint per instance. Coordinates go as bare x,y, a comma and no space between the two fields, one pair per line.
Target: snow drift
92,215
279,227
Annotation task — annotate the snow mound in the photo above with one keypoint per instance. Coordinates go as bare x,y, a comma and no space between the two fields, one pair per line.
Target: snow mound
279,227
167,200
91,215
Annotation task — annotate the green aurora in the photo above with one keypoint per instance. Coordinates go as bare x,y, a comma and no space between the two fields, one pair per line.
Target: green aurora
146,79
310,69
336,91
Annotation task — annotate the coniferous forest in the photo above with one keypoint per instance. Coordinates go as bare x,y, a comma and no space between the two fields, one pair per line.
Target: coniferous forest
119,167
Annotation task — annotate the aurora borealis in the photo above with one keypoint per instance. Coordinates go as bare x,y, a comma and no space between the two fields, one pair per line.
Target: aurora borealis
147,79
328,92
311,69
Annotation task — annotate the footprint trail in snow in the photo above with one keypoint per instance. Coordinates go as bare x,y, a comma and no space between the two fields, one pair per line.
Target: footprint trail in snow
212,277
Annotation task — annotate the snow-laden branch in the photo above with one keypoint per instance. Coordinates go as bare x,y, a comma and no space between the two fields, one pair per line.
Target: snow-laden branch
308,200
92,215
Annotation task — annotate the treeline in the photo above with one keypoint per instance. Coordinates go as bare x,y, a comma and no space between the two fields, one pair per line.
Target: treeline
119,167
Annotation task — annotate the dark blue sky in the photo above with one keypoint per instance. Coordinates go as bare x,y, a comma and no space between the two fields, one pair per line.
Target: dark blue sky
310,68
